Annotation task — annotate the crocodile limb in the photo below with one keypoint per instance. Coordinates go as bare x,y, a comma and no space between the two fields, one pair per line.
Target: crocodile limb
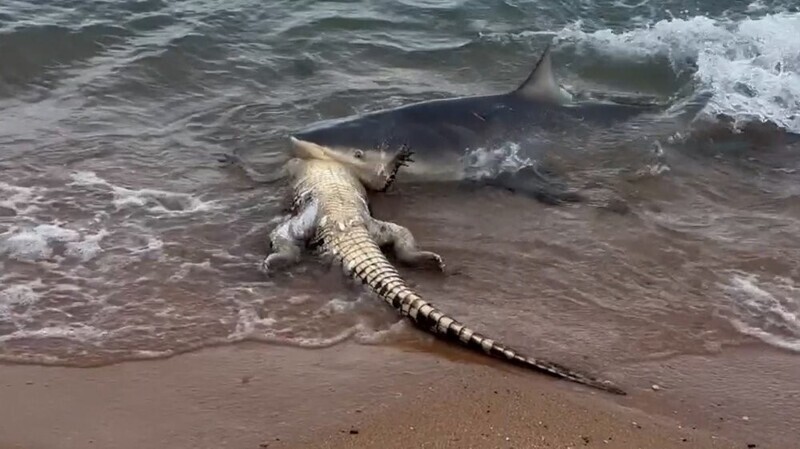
331,211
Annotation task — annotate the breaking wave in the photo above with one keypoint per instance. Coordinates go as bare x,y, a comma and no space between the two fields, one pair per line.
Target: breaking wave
768,309
751,65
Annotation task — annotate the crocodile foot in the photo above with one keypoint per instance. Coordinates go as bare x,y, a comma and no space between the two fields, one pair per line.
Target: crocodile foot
287,240
402,241
421,258
277,261
400,159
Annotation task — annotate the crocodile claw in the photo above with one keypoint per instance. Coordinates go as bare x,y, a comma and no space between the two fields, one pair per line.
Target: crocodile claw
439,262
404,155
401,159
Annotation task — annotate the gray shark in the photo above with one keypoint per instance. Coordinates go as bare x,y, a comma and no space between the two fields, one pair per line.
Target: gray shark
441,132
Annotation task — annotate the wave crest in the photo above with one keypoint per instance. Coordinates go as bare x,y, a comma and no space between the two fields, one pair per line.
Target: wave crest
751,65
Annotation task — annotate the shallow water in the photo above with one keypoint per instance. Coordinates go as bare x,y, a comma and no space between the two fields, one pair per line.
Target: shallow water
120,238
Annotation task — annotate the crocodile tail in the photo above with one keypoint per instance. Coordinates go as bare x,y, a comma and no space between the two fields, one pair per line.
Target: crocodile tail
430,317
363,259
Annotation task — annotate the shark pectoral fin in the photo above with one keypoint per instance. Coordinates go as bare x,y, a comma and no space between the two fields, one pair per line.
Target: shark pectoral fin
541,84
533,182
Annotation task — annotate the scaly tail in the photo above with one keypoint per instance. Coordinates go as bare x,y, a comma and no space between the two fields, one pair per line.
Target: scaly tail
363,259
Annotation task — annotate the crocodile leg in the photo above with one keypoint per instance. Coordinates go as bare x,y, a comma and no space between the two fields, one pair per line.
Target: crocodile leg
401,239
289,239
400,159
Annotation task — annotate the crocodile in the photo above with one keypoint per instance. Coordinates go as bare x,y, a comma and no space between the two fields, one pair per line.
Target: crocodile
330,212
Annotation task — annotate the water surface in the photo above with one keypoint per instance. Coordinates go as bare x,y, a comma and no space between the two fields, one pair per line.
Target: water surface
121,239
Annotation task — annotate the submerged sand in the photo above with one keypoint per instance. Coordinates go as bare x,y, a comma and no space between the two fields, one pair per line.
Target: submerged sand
260,396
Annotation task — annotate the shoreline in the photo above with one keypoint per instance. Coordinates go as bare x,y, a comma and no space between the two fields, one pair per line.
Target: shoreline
253,395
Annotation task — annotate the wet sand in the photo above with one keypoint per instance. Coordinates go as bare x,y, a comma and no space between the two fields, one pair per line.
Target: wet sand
718,389
258,396
120,237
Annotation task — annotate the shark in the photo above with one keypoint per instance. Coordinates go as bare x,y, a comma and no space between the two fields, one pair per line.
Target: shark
442,132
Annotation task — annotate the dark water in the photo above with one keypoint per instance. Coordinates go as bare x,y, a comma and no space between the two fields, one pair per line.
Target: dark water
120,238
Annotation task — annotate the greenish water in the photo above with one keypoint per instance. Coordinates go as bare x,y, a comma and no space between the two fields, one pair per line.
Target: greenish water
121,239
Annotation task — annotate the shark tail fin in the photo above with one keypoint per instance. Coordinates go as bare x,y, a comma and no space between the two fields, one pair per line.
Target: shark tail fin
541,84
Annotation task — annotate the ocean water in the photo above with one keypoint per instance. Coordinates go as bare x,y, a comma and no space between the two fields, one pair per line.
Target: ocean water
120,237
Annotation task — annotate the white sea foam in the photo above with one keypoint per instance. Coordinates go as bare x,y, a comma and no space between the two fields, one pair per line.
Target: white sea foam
251,327
14,297
98,309
153,200
78,332
275,327
766,309
37,242
487,162
376,337
336,306
752,66
19,199
248,322
86,248
311,342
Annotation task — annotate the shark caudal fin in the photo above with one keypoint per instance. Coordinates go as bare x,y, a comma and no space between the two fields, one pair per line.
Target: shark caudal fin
541,84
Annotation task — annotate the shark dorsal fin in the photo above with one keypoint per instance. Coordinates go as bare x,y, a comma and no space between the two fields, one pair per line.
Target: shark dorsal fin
541,83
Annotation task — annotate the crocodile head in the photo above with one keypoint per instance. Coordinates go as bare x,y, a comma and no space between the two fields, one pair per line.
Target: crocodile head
375,169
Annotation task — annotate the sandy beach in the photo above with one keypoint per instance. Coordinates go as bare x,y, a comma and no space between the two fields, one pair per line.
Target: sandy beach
237,397
124,241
